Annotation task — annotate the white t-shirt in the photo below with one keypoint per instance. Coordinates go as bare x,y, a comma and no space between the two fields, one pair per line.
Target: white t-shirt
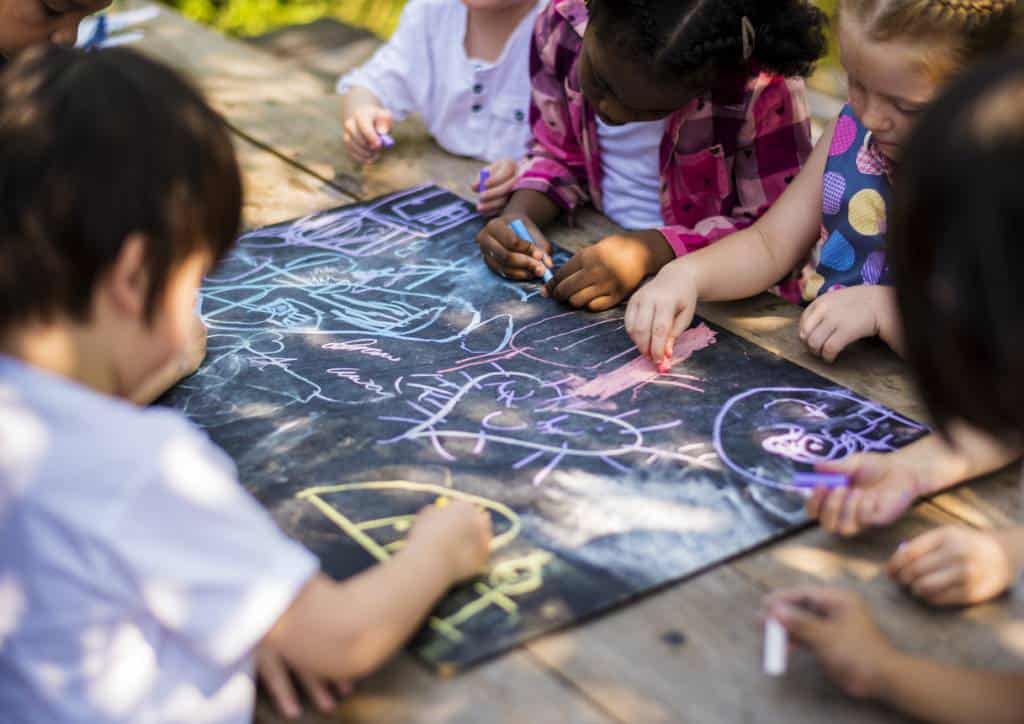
472,108
136,574
630,164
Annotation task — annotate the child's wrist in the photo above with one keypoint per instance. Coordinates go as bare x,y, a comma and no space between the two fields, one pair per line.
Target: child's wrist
659,252
894,666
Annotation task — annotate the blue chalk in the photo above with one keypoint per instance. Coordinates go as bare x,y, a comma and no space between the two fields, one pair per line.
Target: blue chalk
820,480
386,140
519,227
482,183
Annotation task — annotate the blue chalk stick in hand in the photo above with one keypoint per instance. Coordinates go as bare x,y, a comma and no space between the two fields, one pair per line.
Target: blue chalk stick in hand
519,227
481,185
386,140
820,480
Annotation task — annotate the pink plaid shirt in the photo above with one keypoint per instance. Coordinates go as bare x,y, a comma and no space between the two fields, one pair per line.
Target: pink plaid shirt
725,157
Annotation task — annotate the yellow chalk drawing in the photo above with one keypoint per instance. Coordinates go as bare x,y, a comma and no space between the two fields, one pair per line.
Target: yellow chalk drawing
507,578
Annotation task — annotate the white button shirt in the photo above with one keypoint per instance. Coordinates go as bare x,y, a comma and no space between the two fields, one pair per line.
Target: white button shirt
472,108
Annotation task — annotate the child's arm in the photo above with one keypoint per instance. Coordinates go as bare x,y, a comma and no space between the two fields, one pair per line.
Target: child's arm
883,486
345,630
396,80
837,627
552,178
739,266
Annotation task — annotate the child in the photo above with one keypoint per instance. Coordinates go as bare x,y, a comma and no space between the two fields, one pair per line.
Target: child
30,22
136,574
896,53
954,250
460,64
676,119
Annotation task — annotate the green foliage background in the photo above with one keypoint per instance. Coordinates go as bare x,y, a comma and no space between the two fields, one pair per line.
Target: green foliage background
253,17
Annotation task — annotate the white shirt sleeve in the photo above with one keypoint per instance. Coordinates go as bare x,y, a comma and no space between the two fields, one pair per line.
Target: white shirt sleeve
399,72
209,561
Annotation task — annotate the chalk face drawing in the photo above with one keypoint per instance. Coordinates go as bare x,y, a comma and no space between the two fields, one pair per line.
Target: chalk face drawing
364,362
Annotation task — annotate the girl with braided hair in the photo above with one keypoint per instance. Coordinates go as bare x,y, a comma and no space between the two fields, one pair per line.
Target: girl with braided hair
682,120
955,251
897,55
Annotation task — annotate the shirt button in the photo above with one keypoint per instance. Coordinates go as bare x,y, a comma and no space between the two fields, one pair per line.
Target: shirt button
478,88
477,108
520,116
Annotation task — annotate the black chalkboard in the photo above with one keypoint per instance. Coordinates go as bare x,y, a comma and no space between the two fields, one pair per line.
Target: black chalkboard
363,362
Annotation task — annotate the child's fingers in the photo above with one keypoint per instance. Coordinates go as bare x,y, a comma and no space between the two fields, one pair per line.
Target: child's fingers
819,336
816,502
571,267
848,523
914,550
932,586
662,322
278,682
832,509
572,285
382,121
317,692
955,595
891,503
494,193
644,320
840,340
810,319
603,303
366,131
683,318
927,565
588,294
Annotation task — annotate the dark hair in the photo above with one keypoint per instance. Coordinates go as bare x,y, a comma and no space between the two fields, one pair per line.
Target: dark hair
691,37
94,147
956,250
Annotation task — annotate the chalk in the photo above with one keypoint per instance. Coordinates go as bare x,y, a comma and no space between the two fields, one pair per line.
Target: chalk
520,229
776,643
820,480
441,501
482,183
665,365
386,140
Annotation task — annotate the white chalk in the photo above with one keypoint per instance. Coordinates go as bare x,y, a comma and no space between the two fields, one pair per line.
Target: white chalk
776,643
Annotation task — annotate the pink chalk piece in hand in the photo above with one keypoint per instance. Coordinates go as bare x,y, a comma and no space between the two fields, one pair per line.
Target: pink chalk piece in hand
665,365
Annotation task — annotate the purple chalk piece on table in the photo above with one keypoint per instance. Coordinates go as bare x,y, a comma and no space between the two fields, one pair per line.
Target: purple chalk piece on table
519,227
820,480
485,175
386,140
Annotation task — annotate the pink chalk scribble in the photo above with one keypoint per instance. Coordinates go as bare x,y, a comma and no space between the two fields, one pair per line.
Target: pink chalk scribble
641,371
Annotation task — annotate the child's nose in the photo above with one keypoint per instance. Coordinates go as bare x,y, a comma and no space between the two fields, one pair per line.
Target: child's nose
875,118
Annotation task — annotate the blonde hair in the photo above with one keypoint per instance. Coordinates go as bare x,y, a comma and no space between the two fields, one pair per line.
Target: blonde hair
970,29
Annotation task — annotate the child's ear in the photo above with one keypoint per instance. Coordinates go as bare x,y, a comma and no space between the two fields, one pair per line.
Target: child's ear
128,279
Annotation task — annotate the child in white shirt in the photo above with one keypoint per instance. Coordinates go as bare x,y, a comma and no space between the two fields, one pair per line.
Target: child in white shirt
137,576
463,65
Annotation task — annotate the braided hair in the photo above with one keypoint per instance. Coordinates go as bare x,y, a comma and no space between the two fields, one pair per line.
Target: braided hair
975,28
691,37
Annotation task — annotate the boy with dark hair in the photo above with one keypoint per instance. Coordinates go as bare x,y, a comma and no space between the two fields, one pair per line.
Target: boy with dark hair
136,575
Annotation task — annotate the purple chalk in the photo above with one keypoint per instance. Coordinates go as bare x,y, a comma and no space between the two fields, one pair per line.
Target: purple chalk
820,480
482,183
386,140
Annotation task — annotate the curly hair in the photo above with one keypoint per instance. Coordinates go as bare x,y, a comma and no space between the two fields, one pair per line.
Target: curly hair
696,36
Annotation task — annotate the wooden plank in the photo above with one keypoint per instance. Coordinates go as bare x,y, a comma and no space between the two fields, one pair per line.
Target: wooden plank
500,691
692,652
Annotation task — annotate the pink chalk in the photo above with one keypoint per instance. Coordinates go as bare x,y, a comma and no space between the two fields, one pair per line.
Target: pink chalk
665,365
641,370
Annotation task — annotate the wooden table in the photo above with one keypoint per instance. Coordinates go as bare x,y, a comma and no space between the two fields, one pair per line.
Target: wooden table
690,652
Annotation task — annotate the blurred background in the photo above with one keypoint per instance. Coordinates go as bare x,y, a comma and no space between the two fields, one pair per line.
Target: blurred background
257,17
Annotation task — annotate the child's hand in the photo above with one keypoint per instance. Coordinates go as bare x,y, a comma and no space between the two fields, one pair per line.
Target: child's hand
882,488
362,132
838,319
603,274
660,311
954,566
498,187
508,255
836,626
274,673
460,532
